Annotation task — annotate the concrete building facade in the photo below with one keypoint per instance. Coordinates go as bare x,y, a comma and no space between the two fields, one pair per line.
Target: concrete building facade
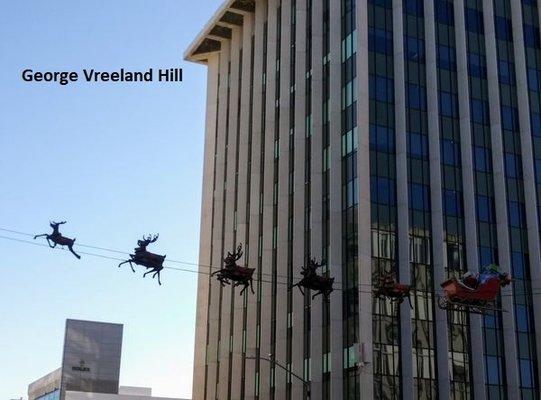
399,136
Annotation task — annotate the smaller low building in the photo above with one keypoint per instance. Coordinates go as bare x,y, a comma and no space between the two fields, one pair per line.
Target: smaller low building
90,367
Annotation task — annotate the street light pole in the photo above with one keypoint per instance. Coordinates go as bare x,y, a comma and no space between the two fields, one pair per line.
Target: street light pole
273,362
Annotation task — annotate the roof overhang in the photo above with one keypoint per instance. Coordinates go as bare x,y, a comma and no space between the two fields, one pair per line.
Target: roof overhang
230,15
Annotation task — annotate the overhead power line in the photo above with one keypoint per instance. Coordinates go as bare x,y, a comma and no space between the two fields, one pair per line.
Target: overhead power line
416,292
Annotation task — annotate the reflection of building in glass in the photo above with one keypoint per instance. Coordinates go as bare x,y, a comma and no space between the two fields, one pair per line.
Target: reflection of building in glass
90,367
397,136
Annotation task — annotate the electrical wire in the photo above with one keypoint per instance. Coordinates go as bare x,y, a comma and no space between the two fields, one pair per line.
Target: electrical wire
416,293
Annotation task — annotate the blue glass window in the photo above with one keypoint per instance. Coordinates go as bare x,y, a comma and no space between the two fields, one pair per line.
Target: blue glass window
419,197
510,166
490,321
414,7
452,206
447,104
381,138
537,169
444,12
481,159
474,20
522,318
531,36
414,48
509,118
503,28
526,373
486,256
478,111
382,88
517,265
382,3
416,97
493,370
450,152
382,190
536,124
380,41
533,79
484,209
477,65
418,145
505,72
516,214
446,57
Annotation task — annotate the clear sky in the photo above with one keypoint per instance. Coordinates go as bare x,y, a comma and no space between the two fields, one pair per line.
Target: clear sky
116,161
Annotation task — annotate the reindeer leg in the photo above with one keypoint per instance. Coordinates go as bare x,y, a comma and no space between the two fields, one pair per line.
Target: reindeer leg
37,236
127,262
148,272
73,252
159,280
252,286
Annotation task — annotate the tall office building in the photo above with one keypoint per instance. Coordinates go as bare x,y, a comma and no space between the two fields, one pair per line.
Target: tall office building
399,136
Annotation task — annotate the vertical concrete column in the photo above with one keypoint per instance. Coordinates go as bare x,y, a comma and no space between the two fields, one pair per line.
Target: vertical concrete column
468,191
438,239
335,201
283,201
268,189
205,232
297,388
255,186
243,200
316,310
229,213
402,198
364,216
508,318
528,171
213,350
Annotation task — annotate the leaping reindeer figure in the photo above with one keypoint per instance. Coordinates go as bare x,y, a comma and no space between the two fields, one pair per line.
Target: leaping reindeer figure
311,280
149,260
233,272
57,239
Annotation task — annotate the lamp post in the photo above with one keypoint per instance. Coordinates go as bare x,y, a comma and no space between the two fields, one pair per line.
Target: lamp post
273,362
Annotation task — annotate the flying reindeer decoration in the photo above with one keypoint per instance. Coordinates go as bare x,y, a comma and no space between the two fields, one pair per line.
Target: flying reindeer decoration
311,280
233,272
149,260
56,238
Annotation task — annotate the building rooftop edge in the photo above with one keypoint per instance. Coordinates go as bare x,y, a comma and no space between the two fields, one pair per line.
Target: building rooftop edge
94,322
217,29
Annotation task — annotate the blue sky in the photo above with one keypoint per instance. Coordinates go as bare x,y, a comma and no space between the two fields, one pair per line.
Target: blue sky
116,161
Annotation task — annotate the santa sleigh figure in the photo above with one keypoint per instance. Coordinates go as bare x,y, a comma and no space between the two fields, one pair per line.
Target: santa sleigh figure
474,293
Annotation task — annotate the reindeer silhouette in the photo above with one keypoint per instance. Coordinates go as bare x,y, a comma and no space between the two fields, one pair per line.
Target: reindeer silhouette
149,260
232,271
311,280
57,239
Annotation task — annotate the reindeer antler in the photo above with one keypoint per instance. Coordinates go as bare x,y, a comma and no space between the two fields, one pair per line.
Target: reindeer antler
238,254
151,239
